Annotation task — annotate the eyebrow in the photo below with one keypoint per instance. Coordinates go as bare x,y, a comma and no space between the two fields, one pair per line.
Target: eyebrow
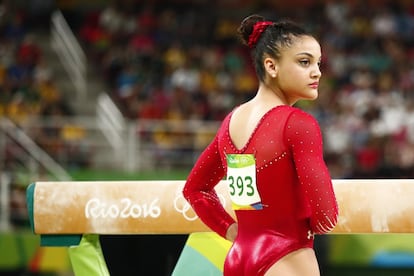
307,54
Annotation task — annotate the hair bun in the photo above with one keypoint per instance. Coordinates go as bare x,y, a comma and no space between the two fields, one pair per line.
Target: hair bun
246,27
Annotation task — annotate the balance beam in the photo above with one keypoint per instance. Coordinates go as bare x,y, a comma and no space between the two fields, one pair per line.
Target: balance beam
66,210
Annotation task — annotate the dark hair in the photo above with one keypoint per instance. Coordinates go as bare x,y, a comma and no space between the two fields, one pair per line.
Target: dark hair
272,39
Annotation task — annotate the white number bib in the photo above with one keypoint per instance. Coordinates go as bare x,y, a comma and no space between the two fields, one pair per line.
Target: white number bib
241,180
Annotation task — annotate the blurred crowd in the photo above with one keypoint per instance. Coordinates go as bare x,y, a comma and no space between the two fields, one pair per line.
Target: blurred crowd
28,86
28,91
177,61
26,81
181,60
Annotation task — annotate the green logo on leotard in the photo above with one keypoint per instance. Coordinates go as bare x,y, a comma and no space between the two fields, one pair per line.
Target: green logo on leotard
240,160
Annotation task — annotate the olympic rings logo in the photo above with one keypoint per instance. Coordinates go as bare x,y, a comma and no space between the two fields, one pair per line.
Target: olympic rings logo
182,206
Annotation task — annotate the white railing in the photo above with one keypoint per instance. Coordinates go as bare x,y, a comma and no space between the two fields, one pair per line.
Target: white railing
160,143
32,149
134,145
69,51
112,124
4,201
33,155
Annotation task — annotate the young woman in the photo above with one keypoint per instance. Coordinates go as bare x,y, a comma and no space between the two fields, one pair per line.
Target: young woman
271,155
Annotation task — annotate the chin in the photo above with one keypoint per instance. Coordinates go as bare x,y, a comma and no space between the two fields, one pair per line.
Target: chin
312,96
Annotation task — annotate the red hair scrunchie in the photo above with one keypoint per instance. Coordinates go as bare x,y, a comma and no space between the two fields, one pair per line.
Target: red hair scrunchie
258,29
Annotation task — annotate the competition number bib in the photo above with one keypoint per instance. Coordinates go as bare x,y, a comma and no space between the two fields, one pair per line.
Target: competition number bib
241,181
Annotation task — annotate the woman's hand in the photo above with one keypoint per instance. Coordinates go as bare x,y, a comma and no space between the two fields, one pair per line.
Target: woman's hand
232,232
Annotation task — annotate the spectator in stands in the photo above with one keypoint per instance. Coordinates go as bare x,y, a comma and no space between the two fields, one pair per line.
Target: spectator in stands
28,53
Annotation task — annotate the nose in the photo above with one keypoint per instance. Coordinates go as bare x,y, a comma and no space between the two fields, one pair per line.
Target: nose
316,72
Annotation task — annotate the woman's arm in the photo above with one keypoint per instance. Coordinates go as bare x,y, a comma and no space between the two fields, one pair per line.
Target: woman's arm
304,137
199,190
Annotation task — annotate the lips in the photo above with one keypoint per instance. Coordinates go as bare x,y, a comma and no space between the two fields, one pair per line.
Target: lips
314,85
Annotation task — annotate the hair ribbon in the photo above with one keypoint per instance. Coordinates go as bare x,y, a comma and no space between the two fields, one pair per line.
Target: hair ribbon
258,29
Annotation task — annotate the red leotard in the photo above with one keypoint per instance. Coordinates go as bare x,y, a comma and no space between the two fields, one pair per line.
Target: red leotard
293,182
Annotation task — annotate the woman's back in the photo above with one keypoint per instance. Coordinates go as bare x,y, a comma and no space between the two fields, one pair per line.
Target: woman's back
281,223
244,120
267,140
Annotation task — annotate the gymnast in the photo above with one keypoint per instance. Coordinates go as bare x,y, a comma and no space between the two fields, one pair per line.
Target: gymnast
271,155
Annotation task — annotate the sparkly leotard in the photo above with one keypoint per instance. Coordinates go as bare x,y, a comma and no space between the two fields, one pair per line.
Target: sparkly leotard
293,182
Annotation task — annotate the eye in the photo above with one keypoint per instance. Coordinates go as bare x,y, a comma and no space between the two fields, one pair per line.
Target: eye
304,62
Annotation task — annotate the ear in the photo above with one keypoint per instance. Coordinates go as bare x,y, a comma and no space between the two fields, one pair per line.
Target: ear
271,67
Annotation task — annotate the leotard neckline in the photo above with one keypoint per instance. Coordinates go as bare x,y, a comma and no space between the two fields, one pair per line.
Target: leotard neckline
265,115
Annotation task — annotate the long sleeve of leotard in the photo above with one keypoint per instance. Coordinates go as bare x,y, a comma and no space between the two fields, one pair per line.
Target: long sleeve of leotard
199,190
303,135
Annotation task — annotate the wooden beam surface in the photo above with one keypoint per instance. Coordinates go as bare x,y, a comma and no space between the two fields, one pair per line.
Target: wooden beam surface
158,207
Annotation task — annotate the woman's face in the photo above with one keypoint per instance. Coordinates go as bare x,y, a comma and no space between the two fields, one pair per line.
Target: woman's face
298,71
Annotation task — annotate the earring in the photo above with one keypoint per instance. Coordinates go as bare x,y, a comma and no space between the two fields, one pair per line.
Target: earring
273,75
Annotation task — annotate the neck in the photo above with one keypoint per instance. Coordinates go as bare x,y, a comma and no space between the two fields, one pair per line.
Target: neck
272,96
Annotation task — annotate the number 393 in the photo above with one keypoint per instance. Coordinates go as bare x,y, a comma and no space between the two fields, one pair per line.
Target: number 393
241,185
